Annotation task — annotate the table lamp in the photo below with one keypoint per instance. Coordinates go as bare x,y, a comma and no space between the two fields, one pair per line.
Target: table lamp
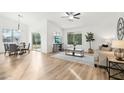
119,49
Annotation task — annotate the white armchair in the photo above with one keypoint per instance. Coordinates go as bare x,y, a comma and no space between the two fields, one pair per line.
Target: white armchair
103,57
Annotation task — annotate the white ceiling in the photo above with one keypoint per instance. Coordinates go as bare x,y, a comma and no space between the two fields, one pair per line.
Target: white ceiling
86,18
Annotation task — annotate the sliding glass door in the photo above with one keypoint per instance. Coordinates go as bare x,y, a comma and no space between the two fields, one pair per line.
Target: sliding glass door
11,36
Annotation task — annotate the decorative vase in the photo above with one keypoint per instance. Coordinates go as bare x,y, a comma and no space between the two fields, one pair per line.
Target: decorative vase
119,54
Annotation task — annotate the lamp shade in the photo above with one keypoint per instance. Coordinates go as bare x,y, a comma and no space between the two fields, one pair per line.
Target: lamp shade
118,44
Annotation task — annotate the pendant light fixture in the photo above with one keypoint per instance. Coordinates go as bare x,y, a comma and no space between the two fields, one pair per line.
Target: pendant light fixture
19,23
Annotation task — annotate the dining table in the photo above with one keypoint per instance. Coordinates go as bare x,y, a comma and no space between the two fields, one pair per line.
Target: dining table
21,48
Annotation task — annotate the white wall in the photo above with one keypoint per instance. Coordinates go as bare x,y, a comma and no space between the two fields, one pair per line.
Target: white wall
46,29
1,43
44,36
52,28
11,24
40,27
24,34
103,29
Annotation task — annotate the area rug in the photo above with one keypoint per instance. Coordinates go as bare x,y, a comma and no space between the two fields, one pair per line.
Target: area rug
87,59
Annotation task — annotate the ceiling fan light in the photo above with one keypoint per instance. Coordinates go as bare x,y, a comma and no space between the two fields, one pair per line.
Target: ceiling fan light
71,17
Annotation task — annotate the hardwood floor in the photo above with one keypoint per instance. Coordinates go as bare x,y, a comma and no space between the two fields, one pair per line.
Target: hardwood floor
37,66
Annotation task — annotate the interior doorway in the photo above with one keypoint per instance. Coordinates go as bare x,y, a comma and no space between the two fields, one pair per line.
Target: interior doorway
36,41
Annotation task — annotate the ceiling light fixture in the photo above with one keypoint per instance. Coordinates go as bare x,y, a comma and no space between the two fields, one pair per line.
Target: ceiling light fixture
19,23
71,16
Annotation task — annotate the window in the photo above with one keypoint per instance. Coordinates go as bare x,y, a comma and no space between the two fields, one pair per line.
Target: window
74,38
11,35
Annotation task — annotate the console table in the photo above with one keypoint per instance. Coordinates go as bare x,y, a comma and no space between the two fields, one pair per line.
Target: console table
117,67
74,52
57,47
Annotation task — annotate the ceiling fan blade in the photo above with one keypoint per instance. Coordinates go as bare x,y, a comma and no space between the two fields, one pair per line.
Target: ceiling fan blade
77,14
64,16
67,13
76,17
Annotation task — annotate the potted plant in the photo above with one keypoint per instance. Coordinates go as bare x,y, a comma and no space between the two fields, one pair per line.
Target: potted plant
90,38
74,44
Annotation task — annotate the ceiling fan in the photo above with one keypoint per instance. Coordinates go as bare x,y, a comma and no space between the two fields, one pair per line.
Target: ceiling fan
71,15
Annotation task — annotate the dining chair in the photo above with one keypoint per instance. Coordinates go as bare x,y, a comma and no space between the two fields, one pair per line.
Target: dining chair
23,44
6,48
28,48
13,49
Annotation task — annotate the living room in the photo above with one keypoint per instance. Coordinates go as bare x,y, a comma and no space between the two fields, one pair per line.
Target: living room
43,33
67,46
